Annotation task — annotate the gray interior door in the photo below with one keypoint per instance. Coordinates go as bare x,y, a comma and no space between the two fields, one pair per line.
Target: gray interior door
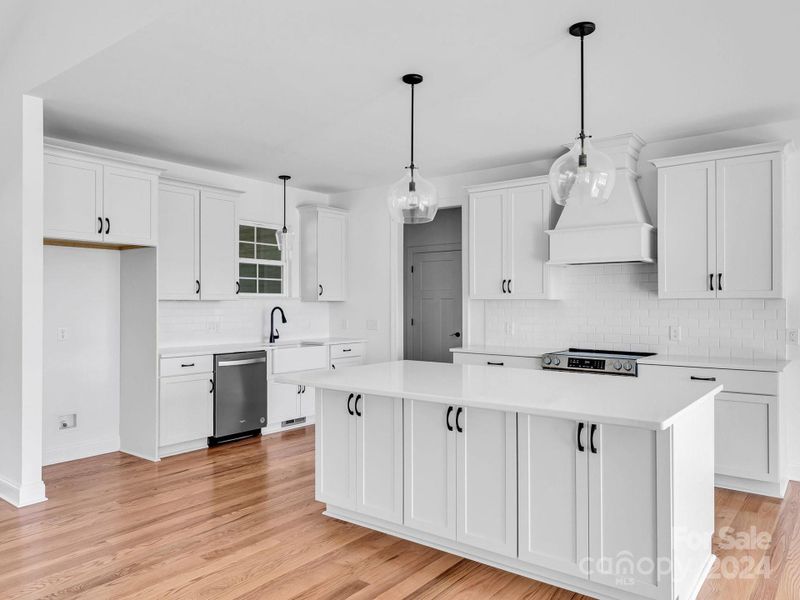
436,299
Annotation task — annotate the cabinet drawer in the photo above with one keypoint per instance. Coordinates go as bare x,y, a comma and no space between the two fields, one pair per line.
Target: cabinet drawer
497,360
341,363
305,358
187,365
741,382
347,350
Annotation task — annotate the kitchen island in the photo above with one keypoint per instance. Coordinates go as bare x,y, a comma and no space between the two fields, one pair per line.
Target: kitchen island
601,485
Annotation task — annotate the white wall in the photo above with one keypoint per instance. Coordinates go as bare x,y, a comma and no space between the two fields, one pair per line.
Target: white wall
81,373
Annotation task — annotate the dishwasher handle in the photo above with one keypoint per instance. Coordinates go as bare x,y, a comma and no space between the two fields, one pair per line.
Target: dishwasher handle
236,363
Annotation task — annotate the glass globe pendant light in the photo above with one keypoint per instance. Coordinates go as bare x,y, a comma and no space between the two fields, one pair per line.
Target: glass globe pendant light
412,200
284,237
583,176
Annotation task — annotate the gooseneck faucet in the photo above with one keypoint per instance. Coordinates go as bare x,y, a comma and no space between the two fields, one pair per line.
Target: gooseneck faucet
273,332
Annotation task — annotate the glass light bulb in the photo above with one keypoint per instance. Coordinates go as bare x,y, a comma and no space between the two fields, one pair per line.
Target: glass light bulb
412,201
285,241
590,183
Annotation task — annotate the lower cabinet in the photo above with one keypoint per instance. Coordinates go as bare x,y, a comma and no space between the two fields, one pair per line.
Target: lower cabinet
587,500
745,444
288,401
460,469
360,453
186,408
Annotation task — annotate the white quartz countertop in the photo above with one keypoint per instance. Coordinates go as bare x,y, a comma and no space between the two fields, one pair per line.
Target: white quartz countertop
630,401
743,364
504,351
178,351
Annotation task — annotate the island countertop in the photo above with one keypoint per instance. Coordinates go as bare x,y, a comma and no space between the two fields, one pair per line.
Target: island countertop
615,400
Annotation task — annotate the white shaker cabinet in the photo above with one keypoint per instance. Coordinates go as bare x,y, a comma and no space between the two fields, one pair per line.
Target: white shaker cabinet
360,452
720,223
186,403
461,474
88,198
508,244
219,247
323,253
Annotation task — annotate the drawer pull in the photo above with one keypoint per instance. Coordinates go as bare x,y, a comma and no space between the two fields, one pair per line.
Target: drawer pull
696,378
347,349
235,363
187,364
494,364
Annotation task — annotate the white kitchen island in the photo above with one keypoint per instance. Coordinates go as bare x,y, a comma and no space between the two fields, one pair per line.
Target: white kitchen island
602,485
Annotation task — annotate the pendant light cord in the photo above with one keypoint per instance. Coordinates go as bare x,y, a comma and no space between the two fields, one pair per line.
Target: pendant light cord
284,206
412,166
582,157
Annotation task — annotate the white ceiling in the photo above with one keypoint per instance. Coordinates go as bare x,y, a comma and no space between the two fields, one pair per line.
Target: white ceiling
312,87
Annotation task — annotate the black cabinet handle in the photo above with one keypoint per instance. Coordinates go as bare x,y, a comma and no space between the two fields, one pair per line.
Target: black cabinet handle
696,378
197,286
456,334
350,410
494,364
504,286
187,364
211,391
581,447
302,389
592,431
711,281
719,281
356,406
333,366
108,225
508,286
347,349
238,287
458,425
100,228
321,289
447,418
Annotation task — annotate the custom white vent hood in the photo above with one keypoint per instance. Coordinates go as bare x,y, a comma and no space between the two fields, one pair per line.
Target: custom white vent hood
615,232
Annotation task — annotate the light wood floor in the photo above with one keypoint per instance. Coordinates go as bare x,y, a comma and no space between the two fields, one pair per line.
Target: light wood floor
240,521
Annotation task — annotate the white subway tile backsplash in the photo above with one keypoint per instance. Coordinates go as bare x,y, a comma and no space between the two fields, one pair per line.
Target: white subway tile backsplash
617,307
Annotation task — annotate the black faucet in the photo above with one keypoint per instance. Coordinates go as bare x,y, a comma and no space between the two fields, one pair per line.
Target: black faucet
273,333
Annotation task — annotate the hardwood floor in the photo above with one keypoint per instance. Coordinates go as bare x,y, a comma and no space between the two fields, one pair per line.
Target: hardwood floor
240,522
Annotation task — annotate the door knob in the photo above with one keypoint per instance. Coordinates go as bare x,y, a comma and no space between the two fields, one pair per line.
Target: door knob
456,334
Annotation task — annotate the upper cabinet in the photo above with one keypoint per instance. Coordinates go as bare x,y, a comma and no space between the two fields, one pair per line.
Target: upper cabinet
323,253
720,223
508,244
91,199
197,257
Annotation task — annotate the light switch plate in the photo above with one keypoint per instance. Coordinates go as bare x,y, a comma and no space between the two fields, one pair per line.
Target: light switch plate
62,333
792,336
372,325
674,333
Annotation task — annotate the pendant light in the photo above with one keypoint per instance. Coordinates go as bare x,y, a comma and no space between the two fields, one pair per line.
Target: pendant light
412,199
284,237
583,176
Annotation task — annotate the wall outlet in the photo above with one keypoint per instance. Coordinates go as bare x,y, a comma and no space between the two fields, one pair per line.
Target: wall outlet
212,325
509,328
674,333
372,325
62,333
791,336
68,421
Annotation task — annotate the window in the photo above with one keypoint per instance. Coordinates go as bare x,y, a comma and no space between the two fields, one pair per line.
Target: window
261,268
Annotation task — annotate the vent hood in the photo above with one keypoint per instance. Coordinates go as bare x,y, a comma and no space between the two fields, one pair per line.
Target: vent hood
619,231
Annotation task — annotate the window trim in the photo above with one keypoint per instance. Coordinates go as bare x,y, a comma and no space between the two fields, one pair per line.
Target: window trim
283,263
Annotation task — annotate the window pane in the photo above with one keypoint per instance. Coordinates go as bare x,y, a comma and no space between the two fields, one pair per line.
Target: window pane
269,286
246,250
264,252
247,233
247,286
266,236
270,271
248,270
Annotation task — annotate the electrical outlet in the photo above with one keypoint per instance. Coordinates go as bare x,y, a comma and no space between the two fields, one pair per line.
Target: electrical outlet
674,333
509,327
62,333
68,421
792,336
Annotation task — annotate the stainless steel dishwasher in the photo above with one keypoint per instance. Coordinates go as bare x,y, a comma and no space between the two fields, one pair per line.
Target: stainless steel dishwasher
240,395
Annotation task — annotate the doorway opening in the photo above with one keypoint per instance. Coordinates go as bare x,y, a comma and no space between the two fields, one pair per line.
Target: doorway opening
432,290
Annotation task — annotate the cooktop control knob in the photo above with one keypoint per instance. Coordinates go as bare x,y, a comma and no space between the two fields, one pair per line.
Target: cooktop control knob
617,365
628,366
547,360
556,361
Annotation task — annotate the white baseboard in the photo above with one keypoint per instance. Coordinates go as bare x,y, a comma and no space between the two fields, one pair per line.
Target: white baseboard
22,495
59,454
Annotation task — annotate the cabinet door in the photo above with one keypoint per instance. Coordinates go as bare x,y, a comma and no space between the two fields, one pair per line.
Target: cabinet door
307,395
486,240
749,223
487,479
179,243
528,218
429,449
219,234
186,408
379,469
73,205
331,243
283,402
745,436
553,494
687,244
335,450
130,205
623,524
